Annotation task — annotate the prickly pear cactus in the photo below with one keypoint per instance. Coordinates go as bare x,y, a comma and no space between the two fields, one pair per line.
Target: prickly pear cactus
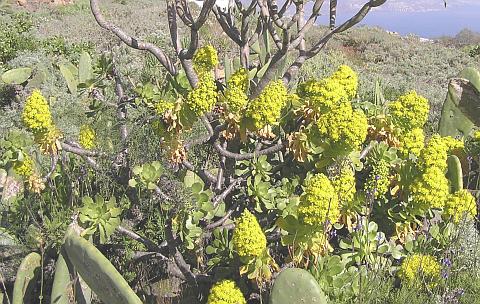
461,110
295,285
99,274
26,278
454,173
63,289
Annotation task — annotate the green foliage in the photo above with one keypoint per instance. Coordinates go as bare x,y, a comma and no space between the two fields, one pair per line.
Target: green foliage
16,35
147,175
99,216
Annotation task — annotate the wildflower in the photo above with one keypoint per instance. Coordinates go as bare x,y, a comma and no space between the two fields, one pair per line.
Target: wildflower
203,98
319,203
435,153
163,106
36,114
226,292
459,204
248,237
409,111
205,59
25,167
476,135
344,184
87,137
322,95
344,126
348,79
419,268
266,108
239,80
412,141
431,189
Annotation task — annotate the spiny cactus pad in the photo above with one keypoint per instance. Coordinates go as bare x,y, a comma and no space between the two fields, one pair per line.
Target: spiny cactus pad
295,285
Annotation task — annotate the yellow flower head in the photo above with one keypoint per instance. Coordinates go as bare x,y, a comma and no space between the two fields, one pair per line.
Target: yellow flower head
344,184
409,111
239,80
459,204
248,237
24,168
344,126
87,137
319,202
476,135
436,151
226,292
348,79
236,93
267,108
431,189
412,142
203,98
323,94
36,114
419,268
163,106
205,59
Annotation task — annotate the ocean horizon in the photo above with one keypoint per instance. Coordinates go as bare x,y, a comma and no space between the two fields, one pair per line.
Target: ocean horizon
428,24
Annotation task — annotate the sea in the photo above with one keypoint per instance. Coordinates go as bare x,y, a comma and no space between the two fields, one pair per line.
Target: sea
427,24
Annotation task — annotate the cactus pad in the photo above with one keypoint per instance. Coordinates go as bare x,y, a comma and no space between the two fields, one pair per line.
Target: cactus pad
295,285
97,271
26,279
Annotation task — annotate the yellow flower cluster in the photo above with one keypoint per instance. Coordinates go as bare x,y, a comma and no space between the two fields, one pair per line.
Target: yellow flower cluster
476,135
409,111
319,202
226,292
420,268
36,114
346,77
24,168
267,108
378,180
431,189
435,153
163,106
203,98
459,204
344,126
248,237
236,93
412,142
205,59
239,80
87,137
37,118
344,184
323,94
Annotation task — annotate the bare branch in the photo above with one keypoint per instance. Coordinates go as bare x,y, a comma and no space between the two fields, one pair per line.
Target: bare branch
173,25
77,150
246,156
217,199
223,219
132,41
149,244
